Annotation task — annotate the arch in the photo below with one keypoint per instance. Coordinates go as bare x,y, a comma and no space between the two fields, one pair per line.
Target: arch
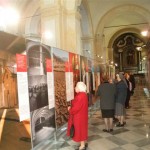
32,19
120,32
140,12
86,22
145,14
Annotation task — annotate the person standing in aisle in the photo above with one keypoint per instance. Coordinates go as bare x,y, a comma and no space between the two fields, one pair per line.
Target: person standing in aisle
132,80
78,112
107,91
129,89
121,94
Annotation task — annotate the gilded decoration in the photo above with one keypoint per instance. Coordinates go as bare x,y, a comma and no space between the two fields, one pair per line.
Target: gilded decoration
126,53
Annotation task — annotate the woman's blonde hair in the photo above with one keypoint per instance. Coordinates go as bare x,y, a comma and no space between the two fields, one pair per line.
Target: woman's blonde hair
81,86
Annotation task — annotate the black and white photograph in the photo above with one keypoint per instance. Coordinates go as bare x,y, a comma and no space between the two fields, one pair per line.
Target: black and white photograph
42,124
37,75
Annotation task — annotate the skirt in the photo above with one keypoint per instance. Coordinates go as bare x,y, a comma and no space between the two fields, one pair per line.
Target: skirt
107,113
120,110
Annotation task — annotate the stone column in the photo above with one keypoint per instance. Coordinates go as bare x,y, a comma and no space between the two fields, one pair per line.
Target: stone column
120,61
88,47
139,61
98,47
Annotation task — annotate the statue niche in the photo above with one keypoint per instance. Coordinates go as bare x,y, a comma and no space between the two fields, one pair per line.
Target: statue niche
130,58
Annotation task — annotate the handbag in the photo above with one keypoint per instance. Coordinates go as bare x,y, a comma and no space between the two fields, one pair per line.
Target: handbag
72,131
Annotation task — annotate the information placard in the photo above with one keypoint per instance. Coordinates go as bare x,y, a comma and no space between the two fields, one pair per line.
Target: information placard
22,82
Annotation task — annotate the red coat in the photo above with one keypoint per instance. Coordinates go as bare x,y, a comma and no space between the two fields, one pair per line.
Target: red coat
79,112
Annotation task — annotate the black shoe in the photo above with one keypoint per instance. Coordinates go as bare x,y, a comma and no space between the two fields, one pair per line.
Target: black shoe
105,130
84,148
120,125
86,145
111,130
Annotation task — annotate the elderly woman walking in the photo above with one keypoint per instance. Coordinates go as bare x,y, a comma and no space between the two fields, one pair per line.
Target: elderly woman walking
121,95
78,113
106,92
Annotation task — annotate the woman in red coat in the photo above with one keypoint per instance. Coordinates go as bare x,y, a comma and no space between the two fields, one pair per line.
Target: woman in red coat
79,115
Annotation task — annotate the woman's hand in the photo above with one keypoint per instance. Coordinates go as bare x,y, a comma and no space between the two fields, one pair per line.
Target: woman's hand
69,108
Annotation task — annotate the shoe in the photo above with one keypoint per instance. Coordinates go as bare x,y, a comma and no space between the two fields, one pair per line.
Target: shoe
120,125
111,130
105,130
86,145
84,148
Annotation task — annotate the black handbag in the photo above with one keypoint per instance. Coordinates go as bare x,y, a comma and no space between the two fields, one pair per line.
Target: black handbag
72,131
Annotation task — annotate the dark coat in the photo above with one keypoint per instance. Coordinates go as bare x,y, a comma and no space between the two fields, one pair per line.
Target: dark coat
121,92
107,92
128,89
132,80
79,115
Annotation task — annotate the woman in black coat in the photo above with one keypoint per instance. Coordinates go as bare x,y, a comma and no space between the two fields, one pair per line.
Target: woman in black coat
121,94
106,92
129,89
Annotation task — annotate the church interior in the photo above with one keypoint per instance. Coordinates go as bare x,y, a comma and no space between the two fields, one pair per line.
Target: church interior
114,33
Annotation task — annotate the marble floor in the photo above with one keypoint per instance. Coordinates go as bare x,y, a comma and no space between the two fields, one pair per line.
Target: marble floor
135,135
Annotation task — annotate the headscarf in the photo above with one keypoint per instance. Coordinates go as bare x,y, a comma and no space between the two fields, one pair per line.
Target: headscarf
121,76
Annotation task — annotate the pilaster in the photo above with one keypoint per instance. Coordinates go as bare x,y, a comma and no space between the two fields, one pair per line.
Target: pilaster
63,25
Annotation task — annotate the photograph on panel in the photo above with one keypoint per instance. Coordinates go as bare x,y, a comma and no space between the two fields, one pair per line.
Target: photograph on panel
42,125
59,59
37,75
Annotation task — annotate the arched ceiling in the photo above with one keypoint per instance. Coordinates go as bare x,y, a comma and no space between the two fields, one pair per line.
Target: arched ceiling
112,9
101,14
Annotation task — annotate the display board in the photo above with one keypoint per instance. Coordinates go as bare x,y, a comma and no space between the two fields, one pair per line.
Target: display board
93,78
22,85
60,58
83,69
69,78
98,82
75,61
39,66
50,83
89,85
